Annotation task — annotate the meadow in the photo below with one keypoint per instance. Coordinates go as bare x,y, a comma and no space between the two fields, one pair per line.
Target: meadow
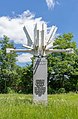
20,106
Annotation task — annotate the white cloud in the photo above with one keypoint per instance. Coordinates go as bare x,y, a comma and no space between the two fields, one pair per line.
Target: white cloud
24,57
13,27
51,3
26,15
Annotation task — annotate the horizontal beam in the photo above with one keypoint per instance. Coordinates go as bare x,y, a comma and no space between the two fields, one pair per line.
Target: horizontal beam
8,50
69,50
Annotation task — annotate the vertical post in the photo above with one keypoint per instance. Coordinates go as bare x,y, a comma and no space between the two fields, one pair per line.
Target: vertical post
40,80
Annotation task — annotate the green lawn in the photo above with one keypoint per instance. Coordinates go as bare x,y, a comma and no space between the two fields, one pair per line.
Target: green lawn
19,106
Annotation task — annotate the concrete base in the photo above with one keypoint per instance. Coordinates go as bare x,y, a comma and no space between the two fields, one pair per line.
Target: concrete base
40,80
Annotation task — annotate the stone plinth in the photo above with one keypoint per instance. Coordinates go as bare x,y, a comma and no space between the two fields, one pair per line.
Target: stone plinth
40,80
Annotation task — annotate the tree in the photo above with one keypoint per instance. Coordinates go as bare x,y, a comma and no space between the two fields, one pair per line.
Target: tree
63,67
8,74
25,85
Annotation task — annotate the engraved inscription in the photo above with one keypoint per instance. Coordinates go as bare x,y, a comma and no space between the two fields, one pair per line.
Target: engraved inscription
40,88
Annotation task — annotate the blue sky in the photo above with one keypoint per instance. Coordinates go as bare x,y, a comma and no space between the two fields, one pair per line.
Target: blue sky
62,13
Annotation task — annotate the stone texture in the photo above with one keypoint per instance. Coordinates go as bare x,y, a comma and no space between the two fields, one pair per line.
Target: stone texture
40,80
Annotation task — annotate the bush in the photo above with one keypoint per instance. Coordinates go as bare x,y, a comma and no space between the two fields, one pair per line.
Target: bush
51,90
9,90
61,90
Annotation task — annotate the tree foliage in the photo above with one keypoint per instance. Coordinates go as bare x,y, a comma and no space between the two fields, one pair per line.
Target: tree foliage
8,74
62,69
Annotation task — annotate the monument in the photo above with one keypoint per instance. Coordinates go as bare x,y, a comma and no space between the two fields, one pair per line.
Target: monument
40,47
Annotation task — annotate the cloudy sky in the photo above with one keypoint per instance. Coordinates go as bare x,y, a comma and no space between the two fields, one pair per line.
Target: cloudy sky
15,14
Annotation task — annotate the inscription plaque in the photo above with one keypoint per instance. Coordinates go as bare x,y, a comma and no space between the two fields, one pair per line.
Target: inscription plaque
40,88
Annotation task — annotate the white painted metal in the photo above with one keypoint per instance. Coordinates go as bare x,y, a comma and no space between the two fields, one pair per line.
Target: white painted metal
28,47
29,40
8,50
51,34
69,50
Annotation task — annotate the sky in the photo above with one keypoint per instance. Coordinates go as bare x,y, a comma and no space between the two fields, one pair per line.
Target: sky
14,14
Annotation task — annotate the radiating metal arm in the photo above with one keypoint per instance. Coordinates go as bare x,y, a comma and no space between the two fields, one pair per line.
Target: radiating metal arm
51,34
51,47
69,51
8,50
28,47
29,40
42,43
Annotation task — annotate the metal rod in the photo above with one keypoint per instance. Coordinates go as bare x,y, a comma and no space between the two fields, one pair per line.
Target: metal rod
58,50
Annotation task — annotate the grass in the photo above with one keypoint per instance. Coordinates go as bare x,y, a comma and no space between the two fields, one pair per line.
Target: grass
20,106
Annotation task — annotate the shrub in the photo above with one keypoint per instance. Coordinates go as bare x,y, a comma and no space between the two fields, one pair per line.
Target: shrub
9,90
51,90
61,90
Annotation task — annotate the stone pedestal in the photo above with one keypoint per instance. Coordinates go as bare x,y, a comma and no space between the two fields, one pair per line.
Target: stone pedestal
40,80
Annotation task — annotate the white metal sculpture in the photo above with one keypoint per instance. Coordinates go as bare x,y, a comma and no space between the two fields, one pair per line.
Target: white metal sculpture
43,42
41,46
